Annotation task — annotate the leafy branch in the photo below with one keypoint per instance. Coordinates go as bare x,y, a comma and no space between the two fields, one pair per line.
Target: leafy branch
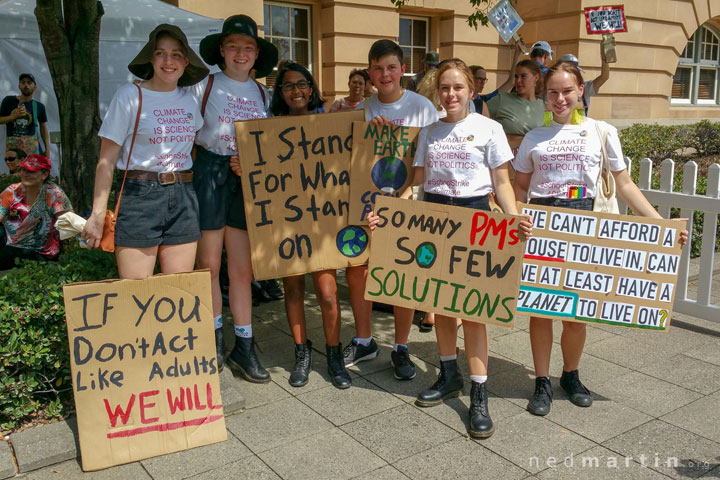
479,15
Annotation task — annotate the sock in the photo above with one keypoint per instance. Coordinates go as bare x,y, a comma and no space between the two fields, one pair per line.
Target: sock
398,346
243,331
478,378
445,358
217,321
363,341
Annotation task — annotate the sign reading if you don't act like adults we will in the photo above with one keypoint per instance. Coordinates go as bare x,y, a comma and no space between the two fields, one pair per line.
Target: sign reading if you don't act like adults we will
144,367
454,261
600,268
296,187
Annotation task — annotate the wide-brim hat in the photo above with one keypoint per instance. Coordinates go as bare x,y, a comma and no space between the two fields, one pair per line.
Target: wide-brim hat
141,66
241,24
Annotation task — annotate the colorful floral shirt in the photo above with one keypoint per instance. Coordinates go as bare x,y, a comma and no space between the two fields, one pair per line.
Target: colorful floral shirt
33,226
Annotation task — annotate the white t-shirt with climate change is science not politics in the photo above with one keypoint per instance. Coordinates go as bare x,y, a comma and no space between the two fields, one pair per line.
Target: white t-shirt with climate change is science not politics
458,156
563,156
166,132
412,110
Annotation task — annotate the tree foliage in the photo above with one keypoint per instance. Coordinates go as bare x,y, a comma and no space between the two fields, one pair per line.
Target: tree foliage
479,15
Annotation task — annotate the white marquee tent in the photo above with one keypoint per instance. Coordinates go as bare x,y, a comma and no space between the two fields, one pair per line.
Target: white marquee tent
124,30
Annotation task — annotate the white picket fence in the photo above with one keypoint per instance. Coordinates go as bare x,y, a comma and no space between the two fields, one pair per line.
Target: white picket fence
689,202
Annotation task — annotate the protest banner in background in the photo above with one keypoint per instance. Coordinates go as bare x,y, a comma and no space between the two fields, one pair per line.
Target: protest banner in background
296,184
605,19
381,164
144,367
454,261
600,268
505,19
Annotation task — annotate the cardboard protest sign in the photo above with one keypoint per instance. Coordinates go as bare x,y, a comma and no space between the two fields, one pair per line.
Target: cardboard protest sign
296,184
505,20
381,164
600,268
144,367
605,19
454,261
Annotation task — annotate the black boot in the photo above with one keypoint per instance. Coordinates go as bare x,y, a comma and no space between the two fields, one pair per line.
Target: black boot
481,425
220,348
303,364
579,395
243,361
336,367
449,383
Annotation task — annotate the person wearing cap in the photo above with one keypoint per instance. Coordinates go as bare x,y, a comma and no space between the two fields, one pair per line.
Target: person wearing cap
431,61
158,212
226,97
28,210
542,54
25,119
591,86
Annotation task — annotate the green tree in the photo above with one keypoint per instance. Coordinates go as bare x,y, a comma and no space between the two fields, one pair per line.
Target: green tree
478,17
70,35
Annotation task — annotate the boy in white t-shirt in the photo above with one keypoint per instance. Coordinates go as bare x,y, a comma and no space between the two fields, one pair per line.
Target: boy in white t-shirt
391,105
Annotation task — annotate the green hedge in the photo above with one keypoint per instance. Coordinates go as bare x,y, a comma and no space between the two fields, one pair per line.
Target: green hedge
34,355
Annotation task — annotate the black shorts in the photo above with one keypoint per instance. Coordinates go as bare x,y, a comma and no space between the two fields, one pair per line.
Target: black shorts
574,203
481,202
152,214
219,191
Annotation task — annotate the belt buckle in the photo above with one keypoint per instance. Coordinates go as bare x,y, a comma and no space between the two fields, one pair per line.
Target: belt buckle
174,178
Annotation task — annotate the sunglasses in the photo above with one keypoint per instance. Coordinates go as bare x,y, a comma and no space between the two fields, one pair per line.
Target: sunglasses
301,85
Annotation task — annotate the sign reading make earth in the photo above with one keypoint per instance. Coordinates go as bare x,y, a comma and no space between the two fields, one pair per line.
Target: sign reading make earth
505,20
453,261
144,367
605,19
381,165
296,187
600,268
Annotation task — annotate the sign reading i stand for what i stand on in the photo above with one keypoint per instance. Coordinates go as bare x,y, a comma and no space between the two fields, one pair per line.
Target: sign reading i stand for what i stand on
144,367
600,268
382,160
296,187
453,261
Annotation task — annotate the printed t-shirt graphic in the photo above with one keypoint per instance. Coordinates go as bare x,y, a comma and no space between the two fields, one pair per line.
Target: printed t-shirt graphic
412,110
166,132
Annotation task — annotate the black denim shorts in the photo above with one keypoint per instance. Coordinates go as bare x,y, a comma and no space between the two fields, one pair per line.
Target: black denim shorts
574,203
219,191
152,214
481,202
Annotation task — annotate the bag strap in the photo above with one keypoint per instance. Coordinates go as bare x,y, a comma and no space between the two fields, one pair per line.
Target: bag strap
206,95
132,144
262,91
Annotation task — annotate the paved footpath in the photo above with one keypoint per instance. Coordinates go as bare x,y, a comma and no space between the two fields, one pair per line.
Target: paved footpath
656,414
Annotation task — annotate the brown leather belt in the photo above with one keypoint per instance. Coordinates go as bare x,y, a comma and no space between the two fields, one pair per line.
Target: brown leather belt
163,178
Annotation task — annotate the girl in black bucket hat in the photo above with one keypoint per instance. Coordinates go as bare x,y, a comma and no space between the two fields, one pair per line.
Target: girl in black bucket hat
226,97
158,209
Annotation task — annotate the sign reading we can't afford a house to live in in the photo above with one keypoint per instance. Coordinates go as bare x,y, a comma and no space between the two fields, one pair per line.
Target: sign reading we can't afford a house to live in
600,268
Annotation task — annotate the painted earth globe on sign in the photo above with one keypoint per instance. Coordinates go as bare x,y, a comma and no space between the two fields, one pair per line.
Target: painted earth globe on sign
425,254
352,241
389,174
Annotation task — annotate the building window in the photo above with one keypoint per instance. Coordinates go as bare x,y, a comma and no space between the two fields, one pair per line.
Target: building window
696,79
415,41
287,26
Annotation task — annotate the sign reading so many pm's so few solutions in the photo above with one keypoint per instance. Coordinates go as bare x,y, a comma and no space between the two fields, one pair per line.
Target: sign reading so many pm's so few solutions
600,268
296,185
144,367
453,261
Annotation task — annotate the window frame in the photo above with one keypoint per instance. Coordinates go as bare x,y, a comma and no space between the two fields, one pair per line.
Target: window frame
409,72
267,29
697,64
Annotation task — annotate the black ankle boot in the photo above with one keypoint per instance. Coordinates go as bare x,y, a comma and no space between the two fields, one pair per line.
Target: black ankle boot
220,348
449,383
336,367
481,425
243,361
303,364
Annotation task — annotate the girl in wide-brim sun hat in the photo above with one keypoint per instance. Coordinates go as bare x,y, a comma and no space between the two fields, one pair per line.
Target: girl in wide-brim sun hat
158,212
230,95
